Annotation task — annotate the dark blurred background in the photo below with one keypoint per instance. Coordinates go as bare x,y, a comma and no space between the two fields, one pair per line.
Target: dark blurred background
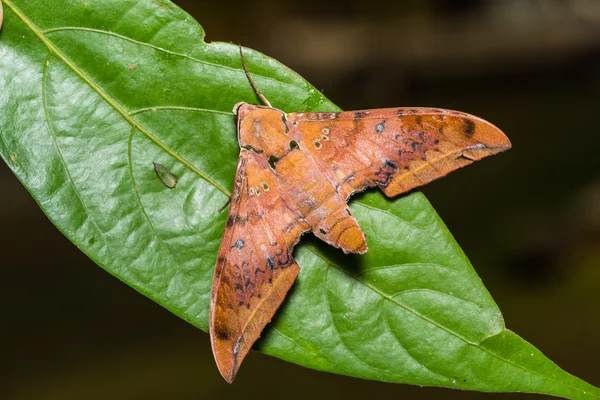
528,219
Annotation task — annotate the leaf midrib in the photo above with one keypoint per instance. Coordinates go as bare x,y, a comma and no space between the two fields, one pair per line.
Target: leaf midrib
112,102
474,344
119,108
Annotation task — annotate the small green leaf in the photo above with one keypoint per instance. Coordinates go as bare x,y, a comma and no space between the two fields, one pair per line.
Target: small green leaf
166,177
94,91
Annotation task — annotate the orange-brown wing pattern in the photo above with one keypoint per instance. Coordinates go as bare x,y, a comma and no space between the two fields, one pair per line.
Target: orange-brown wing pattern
255,269
306,189
396,149
317,201
295,173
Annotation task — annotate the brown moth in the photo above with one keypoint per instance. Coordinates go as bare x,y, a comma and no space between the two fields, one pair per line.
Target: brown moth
295,174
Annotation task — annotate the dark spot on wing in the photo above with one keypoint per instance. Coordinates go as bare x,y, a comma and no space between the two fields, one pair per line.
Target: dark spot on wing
239,244
383,177
415,145
380,127
436,141
348,211
273,161
287,129
390,164
327,115
238,286
230,221
360,114
270,264
294,145
256,214
400,112
222,333
241,221
249,147
469,128
323,231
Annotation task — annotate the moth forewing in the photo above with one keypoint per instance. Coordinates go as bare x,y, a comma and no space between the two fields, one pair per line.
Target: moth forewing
295,173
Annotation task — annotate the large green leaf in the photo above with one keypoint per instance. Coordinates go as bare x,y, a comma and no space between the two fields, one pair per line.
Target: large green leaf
93,93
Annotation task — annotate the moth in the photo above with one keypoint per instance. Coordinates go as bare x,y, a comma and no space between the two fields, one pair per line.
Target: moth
295,173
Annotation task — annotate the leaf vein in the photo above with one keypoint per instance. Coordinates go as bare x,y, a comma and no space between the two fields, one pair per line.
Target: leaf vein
474,344
178,108
143,209
174,53
295,342
433,291
57,148
389,328
408,265
335,328
390,214
112,102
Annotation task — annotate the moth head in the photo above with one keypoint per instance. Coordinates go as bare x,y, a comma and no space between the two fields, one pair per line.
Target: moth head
262,129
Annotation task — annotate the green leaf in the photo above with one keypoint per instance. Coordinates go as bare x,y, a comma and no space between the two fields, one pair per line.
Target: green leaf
94,92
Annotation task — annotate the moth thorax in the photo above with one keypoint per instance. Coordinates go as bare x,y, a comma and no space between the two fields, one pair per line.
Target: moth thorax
264,129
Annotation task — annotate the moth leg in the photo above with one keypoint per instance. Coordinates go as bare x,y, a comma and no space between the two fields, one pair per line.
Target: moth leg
225,205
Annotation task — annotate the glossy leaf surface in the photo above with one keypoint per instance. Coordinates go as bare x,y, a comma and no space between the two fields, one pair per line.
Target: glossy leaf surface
92,93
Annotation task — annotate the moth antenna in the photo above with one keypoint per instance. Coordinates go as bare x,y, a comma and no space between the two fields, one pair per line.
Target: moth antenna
258,93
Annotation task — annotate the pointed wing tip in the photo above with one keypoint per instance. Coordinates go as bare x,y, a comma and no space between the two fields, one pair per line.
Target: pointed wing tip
227,363
230,344
227,373
493,138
